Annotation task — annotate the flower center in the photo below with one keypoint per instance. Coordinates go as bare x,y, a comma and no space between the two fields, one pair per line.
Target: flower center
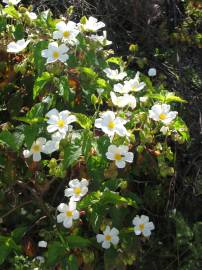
117,156
108,237
162,116
36,148
55,54
141,226
66,34
69,213
77,190
60,123
111,124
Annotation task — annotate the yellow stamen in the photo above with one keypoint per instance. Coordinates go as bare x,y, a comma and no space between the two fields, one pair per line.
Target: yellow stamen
117,156
69,213
111,124
60,123
55,54
141,226
66,34
36,148
108,237
77,190
162,116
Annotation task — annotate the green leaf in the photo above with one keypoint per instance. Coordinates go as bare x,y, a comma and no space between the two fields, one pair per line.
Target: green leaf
64,88
40,83
110,197
102,145
171,97
39,61
83,120
101,83
72,262
19,31
89,72
18,233
31,133
55,253
90,199
86,143
9,139
10,10
75,241
36,111
7,245
72,153
3,23
115,60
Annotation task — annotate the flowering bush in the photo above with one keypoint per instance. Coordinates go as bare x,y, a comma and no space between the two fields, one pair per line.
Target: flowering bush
82,129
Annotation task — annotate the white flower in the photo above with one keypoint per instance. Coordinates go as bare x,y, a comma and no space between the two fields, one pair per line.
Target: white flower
41,259
123,101
59,121
119,88
110,124
37,148
42,244
134,84
161,112
53,145
91,25
152,72
114,74
100,91
142,225
77,189
164,130
120,155
31,15
143,99
68,213
66,31
11,2
55,53
15,47
101,39
109,236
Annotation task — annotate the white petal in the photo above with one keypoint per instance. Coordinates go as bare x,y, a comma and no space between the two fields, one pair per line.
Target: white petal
67,223
60,217
129,157
136,221
27,153
36,157
62,207
63,48
115,240
75,214
52,128
69,192
63,58
57,35
146,232
100,238
114,231
120,164
106,244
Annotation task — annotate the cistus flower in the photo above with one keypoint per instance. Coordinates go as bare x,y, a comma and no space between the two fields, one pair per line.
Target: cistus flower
101,39
123,101
77,189
152,72
91,25
164,130
55,53
42,244
68,213
18,46
120,155
161,112
11,2
110,124
133,85
109,236
53,144
31,15
66,31
37,148
142,225
114,74
59,121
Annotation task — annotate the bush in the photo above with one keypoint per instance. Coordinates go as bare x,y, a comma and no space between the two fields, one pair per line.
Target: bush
87,150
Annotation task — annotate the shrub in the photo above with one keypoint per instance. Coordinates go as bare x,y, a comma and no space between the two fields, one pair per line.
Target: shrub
81,132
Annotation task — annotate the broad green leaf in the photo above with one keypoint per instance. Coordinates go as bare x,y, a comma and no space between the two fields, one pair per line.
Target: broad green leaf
18,233
86,143
89,72
31,134
72,262
96,166
90,199
171,97
36,111
55,253
75,241
110,197
115,60
83,120
102,145
10,10
39,61
3,23
64,88
41,82
72,153
101,83
19,31
9,139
